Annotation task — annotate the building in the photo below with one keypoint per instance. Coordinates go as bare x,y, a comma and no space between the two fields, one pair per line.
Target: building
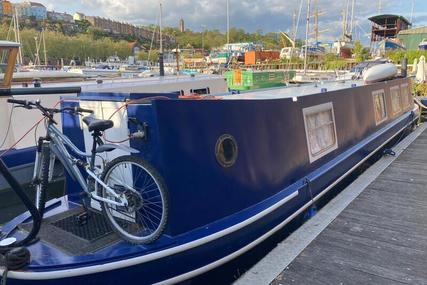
116,27
29,9
6,8
181,25
60,17
387,26
413,37
78,16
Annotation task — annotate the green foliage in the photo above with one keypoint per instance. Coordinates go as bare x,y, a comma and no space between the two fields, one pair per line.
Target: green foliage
60,46
360,53
333,62
213,39
143,55
420,89
397,55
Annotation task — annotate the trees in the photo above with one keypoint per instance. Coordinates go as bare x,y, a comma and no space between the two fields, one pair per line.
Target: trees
360,53
60,46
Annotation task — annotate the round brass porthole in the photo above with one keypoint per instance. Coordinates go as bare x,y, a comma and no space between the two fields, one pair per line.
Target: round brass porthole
226,150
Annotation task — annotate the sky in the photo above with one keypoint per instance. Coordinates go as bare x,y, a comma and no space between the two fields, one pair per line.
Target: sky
252,15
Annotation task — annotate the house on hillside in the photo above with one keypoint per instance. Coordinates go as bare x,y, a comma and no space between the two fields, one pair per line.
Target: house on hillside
6,8
60,17
29,9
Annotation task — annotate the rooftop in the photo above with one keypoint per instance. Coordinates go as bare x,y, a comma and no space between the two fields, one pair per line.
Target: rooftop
418,30
380,19
8,44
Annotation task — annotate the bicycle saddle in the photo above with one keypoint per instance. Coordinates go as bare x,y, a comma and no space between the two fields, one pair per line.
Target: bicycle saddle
97,124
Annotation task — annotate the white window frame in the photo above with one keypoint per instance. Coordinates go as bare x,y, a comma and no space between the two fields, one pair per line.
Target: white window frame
399,96
375,93
405,87
317,109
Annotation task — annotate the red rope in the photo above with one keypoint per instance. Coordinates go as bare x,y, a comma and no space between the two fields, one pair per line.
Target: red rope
17,142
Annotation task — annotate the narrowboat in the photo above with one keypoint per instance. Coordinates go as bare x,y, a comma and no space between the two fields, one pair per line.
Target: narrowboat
248,79
237,169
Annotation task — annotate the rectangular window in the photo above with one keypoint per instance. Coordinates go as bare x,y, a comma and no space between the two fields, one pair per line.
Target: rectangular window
379,106
405,95
320,130
396,104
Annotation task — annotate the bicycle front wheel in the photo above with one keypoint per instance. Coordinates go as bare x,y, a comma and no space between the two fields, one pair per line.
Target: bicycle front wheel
42,178
144,219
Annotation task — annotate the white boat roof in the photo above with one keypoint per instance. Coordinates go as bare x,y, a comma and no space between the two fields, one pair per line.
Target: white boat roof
92,85
295,91
8,44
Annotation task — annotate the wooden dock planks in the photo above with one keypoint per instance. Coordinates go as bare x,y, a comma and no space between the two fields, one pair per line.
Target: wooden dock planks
380,238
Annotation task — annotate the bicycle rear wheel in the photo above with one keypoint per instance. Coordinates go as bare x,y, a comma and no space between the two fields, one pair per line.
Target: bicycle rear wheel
144,219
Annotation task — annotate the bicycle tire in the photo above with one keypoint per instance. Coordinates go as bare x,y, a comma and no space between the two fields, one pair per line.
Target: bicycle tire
42,184
147,196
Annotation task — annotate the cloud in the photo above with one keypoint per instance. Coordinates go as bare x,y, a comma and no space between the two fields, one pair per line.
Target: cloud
252,15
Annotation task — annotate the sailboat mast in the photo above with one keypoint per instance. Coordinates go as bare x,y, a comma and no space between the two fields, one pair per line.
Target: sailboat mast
228,23
307,29
161,63
17,35
161,27
352,19
37,59
346,17
44,47
412,10
316,22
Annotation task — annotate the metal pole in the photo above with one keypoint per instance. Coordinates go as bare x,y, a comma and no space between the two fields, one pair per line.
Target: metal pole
412,11
203,40
307,29
352,19
161,63
44,47
228,23
37,60
18,35
161,24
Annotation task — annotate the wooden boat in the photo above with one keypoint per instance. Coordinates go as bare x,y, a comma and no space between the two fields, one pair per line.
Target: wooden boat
237,169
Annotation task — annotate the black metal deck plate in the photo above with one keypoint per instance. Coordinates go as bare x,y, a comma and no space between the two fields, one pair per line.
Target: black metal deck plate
65,233
95,228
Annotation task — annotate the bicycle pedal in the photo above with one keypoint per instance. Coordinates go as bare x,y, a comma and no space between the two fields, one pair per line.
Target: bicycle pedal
83,218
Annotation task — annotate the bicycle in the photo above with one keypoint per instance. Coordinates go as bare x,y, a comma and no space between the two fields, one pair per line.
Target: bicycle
132,194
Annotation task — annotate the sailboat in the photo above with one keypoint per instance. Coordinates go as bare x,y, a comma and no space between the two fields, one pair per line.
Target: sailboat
344,47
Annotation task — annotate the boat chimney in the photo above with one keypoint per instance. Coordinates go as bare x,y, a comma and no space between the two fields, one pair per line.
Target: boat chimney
161,65
404,68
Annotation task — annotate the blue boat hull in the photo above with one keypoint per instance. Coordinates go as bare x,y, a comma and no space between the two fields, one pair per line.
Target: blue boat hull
217,214
195,260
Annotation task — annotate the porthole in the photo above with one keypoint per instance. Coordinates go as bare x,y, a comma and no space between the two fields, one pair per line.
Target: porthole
226,150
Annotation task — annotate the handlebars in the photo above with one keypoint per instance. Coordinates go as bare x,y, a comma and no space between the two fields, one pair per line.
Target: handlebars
47,112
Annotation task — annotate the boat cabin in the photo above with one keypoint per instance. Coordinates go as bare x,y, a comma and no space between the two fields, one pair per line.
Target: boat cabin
8,52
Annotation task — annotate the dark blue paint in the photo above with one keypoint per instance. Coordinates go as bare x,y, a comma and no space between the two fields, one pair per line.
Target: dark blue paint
206,198
18,157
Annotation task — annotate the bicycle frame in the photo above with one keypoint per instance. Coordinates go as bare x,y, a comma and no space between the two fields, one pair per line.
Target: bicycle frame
58,145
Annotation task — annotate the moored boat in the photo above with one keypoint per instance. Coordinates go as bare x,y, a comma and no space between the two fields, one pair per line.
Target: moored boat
248,79
237,169
423,45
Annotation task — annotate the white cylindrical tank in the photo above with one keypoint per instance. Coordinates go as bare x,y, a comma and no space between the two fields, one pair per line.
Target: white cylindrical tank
380,72
421,70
